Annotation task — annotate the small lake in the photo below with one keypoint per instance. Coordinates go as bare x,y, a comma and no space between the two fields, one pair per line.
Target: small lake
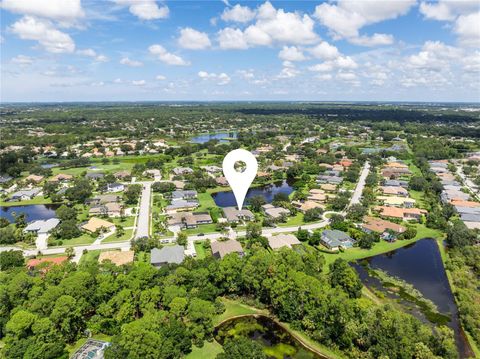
222,137
227,198
32,211
277,342
419,264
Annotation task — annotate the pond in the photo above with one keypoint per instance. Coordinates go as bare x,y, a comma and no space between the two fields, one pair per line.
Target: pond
33,211
276,341
223,137
419,264
227,198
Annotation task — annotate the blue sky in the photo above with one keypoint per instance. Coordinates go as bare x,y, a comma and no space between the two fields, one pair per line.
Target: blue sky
367,50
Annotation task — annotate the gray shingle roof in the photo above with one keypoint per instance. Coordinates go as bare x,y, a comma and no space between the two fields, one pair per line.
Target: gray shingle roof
167,254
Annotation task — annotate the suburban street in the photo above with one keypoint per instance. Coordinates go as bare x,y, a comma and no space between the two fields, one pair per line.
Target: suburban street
468,182
357,193
143,219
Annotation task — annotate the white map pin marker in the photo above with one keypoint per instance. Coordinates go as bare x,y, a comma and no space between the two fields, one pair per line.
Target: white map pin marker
240,181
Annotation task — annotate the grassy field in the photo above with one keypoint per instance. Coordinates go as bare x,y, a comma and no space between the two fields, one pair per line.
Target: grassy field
89,257
296,220
83,239
206,202
128,222
125,237
201,251
202,228
209,350
36,200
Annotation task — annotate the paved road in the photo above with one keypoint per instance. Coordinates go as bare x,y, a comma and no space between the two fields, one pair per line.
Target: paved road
143,219
468,182
357,193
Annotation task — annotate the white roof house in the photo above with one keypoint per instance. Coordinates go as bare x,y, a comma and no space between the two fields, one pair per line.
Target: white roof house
42,226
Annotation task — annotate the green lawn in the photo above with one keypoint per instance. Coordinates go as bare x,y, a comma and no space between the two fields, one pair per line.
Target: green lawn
200,249
83,239
114,238
234,308
296,220
206,202
202,228
208,351
128,222
89,257
36,200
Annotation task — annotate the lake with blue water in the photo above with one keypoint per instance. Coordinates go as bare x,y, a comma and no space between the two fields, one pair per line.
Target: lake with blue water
222,137
419,264
227,198
33,211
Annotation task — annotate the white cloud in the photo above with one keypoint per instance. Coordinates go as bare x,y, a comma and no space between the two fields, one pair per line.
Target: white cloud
118,81
230,39
60,10
374,40
131,63
345,18
434,56
324,51
43,31
347,76
145,9
92,53
97,84
139,82
22,60
288,73
193,39
246,74
160,78
447,10
467,27
341,62
167,57
238,13
291,53
271,26
221,79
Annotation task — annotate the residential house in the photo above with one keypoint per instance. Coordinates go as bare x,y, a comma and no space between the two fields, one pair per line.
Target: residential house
182,205
183,194
233,215
94,224
275,212
381,226
306,205
111,209
328,187
122,175
61,177
103,199
5,179
335,180
405,214
113,187
117,257
335,239
221,248
34,179
25,194
221,181
282,240
94,176
180,171
189,219
42,227
167,255
394,190
395,201
395,183
212,169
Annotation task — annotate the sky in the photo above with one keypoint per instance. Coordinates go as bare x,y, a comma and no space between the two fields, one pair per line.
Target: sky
148,50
